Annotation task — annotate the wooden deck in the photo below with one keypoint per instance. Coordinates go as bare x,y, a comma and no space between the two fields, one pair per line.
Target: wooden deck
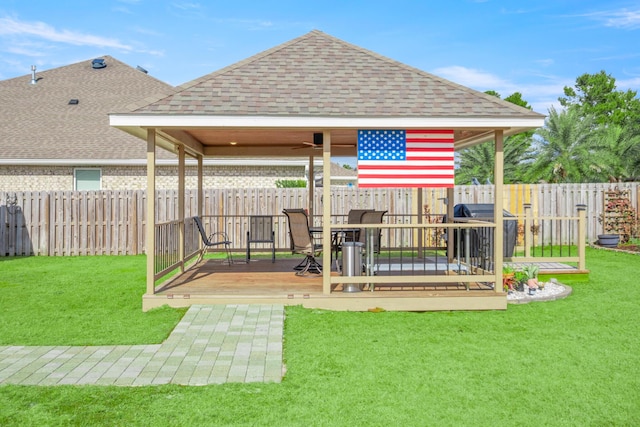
261,281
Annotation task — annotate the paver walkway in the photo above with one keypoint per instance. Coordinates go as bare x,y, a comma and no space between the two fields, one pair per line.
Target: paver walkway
211,345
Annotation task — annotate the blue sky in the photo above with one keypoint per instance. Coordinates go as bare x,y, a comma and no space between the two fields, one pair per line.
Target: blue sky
532,47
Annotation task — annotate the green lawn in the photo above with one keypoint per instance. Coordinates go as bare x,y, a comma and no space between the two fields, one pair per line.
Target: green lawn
571,362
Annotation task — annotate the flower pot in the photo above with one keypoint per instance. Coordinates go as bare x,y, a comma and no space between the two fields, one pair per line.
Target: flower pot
608,240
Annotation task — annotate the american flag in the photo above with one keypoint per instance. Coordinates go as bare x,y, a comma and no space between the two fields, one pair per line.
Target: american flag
405,158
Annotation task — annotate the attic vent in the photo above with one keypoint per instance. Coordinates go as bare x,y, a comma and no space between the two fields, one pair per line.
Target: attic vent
139,68
73,101
98,63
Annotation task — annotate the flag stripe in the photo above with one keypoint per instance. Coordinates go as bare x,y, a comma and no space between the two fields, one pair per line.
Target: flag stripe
411,158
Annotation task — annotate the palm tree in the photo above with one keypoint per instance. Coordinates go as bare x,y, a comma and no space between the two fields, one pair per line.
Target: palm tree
566,150
478,161
619,153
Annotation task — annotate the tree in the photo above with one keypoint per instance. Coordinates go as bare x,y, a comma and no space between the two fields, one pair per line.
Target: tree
618,153
596,95
478,161
567,149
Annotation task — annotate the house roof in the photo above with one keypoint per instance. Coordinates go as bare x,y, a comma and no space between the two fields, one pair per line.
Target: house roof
39,123
319,75
312,83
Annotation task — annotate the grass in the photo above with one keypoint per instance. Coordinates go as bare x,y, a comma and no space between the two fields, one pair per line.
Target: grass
570,362
78,301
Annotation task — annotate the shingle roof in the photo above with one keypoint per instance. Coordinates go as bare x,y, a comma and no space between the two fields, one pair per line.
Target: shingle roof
37,122
319,75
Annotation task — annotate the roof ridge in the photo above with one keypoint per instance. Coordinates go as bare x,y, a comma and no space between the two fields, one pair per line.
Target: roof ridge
245,61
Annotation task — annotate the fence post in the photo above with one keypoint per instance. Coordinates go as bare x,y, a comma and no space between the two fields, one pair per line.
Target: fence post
528,233
582,236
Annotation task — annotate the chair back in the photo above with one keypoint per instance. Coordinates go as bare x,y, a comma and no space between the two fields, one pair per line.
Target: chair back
203,234
301,240
372,217
355,216
261,229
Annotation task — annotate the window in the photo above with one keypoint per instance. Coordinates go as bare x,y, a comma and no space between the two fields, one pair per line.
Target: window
88,179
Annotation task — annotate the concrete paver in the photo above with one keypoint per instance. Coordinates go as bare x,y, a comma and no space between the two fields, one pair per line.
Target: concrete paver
212,344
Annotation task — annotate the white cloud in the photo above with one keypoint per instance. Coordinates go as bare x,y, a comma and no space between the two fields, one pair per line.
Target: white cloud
10,26
470,77
624,19
541,96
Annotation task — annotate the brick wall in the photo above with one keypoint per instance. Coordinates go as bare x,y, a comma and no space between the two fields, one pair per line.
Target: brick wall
52,178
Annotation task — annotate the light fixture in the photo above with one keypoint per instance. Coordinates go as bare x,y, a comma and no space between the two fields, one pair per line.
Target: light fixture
232,143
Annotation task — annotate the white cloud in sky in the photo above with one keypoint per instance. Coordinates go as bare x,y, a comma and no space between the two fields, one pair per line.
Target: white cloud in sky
477,79
11,26
540,96
624,19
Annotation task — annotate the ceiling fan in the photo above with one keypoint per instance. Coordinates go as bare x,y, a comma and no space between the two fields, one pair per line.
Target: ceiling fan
317,143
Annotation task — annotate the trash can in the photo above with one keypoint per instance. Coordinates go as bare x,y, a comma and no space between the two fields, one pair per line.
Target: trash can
352,264
480,237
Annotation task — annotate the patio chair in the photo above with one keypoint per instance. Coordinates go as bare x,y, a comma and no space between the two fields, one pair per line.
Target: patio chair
261,231
302,242
355,217
371,217
209,241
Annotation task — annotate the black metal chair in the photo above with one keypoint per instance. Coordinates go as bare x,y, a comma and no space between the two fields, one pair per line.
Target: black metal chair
209,242
302,242
261,231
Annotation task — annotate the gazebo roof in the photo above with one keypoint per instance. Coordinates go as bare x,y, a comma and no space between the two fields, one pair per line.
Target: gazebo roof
280,97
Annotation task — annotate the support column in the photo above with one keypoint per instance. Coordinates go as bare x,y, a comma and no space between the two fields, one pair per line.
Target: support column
200,186
498,217
326,213
582,236
150,231
528,234
419,209
181,196
449,202
312,190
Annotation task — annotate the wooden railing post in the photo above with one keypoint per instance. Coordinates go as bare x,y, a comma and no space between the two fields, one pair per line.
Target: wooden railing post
528,233
582,236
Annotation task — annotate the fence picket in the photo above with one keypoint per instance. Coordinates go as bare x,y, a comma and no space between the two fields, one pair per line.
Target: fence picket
113,222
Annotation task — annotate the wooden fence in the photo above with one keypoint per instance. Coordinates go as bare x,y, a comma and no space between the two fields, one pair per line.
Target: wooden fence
113,222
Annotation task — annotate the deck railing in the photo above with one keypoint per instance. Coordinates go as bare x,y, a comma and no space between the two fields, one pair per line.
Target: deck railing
409,252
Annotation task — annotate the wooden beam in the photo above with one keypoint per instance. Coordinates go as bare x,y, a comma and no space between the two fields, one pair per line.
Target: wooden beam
192,145
498,179
273,151
181,195
150,245
326,213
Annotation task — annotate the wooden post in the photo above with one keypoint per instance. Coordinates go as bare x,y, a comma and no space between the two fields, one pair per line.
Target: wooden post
326,213
200,186
498,178
419,208
151,211
582,236
181,195
449,202
528,233
312,190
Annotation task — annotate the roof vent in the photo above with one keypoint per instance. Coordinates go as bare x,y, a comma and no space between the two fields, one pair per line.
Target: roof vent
33,75
73,101
139,68
98,63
